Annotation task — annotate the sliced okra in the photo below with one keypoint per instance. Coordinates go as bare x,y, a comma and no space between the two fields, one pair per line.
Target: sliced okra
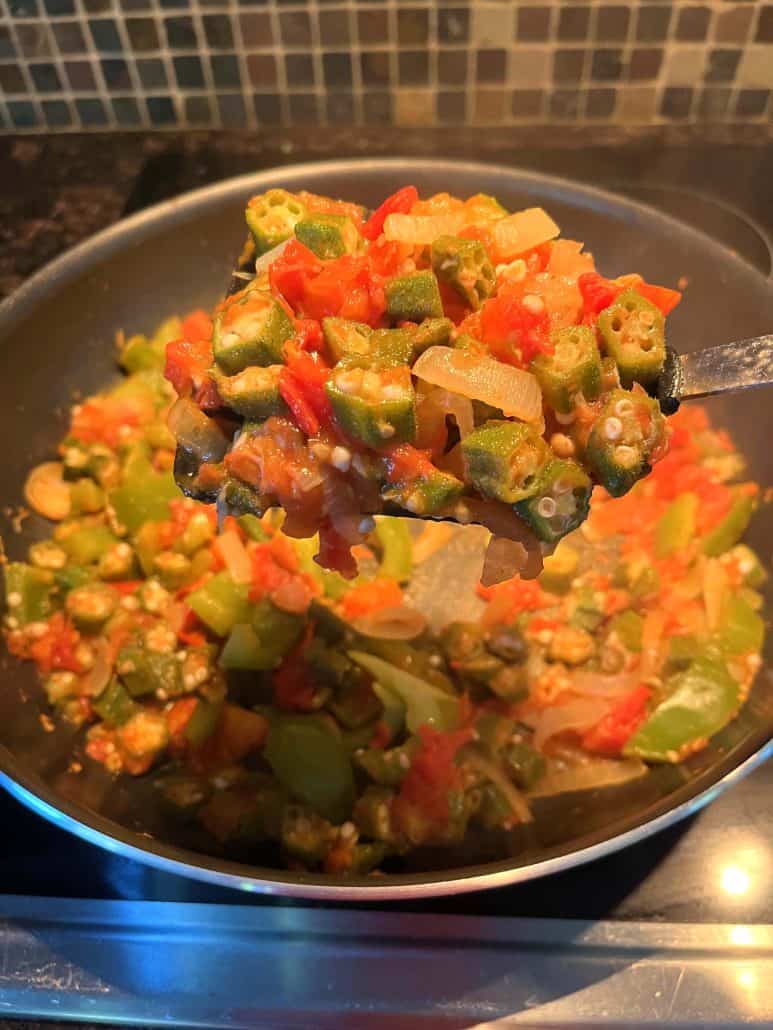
376,407
503,460
465,266
249,329
272,217
572,369
629,429
633,331
253,393
412,298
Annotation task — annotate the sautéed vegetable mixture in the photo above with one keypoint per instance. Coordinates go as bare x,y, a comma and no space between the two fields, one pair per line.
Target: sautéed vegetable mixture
274,700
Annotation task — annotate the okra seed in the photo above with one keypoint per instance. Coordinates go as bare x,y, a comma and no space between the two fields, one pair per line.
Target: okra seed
626,456
623,408
12,622
534,305
613,428
546,507
562,444
14,599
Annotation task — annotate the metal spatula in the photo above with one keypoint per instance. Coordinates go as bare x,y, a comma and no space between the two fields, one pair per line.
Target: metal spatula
729,368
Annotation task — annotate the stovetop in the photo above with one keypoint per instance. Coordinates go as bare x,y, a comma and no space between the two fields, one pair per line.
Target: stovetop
716,867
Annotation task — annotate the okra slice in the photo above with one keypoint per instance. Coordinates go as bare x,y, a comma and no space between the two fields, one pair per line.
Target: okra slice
503,460
249,329
114,705
272,217
433,332
624,437
633,331
328,236
91,605
428,495
145,672
253,393
465,266
346,339
560,502
572,369
375,406
412,298
392,346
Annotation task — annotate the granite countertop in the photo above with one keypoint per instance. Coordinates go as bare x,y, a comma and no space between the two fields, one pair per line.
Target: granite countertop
57,190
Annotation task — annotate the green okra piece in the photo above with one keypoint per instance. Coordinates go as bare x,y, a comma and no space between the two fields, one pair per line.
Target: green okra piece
305,835
91,605
252,393
263,643
172,568
388,767
503,460
328,236
86,497
573,369
203,722
633,331
27,592
144,672
271,218
465,266
373,814
389,347
524,764
428,494
114,705
414,297
345,339
432,332
628,626
560,501
699,702
376,407
629,429
250,329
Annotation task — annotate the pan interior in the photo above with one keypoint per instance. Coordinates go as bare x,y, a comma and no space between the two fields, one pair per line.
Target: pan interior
56,339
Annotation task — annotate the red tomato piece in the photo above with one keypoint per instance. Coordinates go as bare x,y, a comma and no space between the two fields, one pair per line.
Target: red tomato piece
371,597
433,773
597,293
291,272
609,736
512,331
197,326
661,296
399,203
187,362
334,552
56,648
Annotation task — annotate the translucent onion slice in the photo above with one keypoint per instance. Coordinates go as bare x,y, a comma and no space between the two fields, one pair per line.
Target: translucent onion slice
396,623
422,230
596,684
576,716
46,491
195,431
522,231
517,802
261,265
235,557
515,392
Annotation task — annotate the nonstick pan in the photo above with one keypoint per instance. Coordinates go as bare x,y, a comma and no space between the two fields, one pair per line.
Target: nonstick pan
56,338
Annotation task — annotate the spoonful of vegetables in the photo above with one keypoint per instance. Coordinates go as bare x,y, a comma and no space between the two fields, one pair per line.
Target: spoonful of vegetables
440,359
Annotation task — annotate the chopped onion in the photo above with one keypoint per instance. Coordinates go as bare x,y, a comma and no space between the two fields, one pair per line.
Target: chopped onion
434,535
422,230
504,559
576,716
195,432
98,676
235,557
261,265
652,644
522,231
596,684
460,409
714,591
517,802
396,623
480,378
47,493
586,773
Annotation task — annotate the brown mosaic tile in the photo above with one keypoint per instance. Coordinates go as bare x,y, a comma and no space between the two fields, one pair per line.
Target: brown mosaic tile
262,71
752,103
644,63
764,33
412,26
532,24
377,108
413,67
637,105
600,103
295,28
490,66
334,29
80,76
453,24
414,107
573,22
375,68
530,67
452,67
733,25
722,65
676,102
568,65
564,104
256,29
11,79
527,103
372,26
692,23
713,104
489,106
451,107
612,23
607,65
652,23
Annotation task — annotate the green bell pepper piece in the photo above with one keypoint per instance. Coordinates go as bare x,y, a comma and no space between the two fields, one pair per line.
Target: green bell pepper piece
503,460
742,631
619,449
71,577
628,626
560,502
253,393
203,722
333,584
396,548
701,700
264,643
144,672
732,527
424,703
91,605
633,331
328,236
27,592
85,544
138,354
311,763
375,407
86,497
465,266
221,604
253,527
250,329
388,768
114,705
393,713
271,218
493,732
144,494
676,527
414,297
345,339
572,369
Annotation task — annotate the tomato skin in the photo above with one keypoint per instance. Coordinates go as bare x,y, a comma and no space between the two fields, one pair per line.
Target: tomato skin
513,332
406,463
597,293
197,326
661,296
187,362
302,386
291,271
609,736
400,202
433,773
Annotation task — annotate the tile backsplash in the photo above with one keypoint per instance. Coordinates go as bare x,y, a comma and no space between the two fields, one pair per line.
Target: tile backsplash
72,65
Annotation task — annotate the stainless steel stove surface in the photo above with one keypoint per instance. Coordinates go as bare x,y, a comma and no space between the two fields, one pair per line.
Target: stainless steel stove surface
596,944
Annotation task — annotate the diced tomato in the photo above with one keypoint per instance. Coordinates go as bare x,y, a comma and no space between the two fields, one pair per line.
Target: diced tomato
318,205
104,420
294,397
512,331
399,203
661,296
334,552
187,362
191,631
432,775
126,587
386,256
197,326
514,596
178,717
302,385
267,573
292,681
308,334
406,463
56,648
290,273
366,598
610,735
597,293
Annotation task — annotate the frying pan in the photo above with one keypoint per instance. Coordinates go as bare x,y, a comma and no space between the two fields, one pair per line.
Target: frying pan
55,339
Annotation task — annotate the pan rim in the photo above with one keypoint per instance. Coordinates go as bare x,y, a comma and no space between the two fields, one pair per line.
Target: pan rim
97,829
